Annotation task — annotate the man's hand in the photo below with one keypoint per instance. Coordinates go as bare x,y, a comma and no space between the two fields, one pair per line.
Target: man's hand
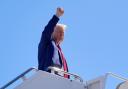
59,12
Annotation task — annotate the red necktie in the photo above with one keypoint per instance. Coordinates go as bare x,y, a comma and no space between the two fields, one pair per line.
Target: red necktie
64,62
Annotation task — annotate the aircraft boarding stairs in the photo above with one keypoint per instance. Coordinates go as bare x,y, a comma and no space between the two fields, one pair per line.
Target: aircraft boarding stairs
44,80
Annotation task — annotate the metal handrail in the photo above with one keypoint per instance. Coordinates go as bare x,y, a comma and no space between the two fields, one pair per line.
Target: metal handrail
64,72
61,71
18,77
30,69
117,76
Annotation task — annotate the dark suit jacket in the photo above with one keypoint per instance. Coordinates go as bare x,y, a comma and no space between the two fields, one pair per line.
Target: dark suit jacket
45,48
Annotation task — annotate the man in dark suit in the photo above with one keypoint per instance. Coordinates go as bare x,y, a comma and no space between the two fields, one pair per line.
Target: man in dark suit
49,51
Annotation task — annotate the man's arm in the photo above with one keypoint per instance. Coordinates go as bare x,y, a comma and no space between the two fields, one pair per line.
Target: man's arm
49,28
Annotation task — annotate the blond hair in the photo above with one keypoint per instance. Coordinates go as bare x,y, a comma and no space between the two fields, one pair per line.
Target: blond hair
62,25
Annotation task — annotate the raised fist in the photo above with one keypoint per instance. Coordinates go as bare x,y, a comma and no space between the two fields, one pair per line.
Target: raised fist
59,11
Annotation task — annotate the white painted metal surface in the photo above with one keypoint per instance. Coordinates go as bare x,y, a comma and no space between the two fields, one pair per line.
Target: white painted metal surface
44,80
97,83
123,85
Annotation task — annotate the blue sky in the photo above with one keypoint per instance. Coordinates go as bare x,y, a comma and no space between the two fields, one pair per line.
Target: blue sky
95,39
